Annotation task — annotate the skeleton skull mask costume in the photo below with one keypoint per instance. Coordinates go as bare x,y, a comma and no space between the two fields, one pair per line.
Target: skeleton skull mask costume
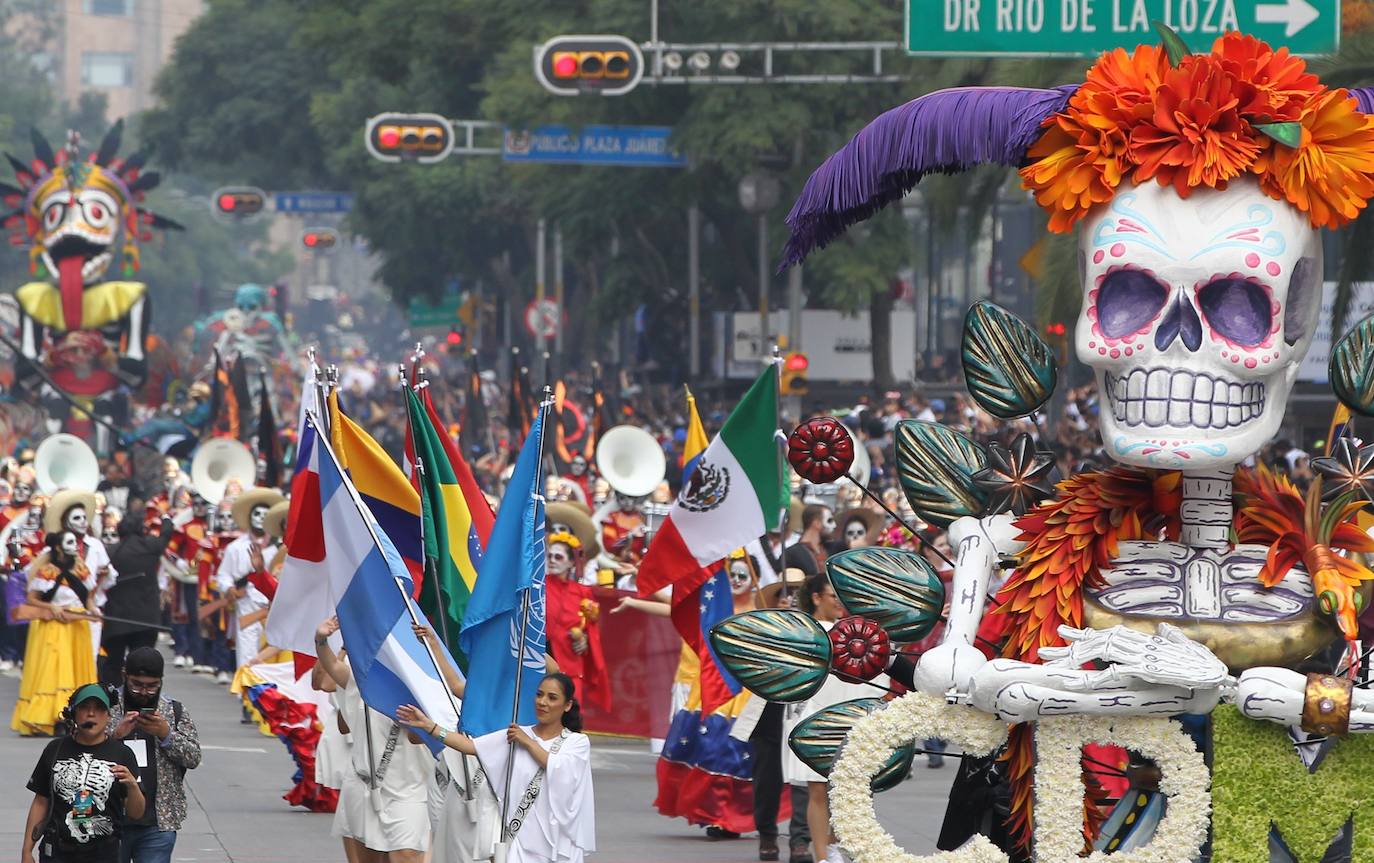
256,517
1195,317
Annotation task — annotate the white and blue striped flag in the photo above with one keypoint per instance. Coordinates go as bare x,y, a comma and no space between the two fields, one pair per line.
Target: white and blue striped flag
371,590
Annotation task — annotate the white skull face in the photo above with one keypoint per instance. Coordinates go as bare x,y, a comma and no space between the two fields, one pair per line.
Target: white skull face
69,544
828,524
741,579
1196,316
558,559
855,534
256,515
22,492
76,520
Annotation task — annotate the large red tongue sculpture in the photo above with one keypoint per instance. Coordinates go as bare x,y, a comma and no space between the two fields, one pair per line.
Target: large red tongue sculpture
73,287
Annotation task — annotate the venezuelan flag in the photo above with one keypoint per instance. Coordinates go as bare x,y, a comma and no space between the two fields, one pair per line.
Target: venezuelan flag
384,489
696,438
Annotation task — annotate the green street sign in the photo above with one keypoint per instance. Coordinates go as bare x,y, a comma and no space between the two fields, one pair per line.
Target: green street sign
443,314
1086,28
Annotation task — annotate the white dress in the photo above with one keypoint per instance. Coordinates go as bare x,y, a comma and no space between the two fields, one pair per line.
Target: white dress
466,832
560,826
332,755
394,816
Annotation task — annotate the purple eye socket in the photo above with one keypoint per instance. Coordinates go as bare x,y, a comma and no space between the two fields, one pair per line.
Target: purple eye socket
1128,300
1238,309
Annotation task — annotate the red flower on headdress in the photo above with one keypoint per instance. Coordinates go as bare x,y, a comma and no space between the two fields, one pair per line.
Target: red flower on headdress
1196,136
820,450
859,648
1272,86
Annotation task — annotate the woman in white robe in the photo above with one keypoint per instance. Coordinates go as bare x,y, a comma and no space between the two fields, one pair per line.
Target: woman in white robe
553,763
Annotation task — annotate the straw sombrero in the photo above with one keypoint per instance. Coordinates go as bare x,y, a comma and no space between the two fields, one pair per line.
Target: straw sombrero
244,503
61,504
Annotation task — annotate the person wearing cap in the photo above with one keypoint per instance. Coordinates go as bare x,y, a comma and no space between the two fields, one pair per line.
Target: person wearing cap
252,552
84,786
161,735
135,595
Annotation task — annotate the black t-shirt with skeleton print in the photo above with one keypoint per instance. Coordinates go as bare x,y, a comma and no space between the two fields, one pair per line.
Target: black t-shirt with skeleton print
87,803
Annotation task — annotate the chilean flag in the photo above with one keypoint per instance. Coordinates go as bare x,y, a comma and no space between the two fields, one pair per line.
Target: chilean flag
302,600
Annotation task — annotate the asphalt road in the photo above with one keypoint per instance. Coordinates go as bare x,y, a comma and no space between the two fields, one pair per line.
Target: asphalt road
237,814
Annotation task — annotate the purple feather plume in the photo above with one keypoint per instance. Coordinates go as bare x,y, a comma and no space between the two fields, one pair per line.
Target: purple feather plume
1364,98
947,132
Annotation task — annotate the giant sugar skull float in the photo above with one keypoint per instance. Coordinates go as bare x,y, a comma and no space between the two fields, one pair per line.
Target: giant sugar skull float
1173,605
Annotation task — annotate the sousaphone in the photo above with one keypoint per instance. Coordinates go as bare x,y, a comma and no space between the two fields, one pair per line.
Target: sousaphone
65,461
631,461
218,462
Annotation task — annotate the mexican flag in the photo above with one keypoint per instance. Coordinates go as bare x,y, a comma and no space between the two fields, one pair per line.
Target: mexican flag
733,497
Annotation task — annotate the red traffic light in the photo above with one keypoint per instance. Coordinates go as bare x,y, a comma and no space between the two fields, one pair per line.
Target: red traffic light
569,65
454,338
796,363
423,138
239,201
1056,329
318,239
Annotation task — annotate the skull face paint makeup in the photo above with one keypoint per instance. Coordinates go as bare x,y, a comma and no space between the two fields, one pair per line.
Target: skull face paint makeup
69,544
76,520
741,579
558,560
256,516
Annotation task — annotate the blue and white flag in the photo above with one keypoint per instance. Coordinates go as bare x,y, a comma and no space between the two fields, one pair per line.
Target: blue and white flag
510,574
370,589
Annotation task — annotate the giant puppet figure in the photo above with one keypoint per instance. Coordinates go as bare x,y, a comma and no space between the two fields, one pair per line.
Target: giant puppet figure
81,214
1197,613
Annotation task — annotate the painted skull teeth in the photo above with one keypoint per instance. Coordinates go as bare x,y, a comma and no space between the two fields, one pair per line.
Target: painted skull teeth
1158,398
74,239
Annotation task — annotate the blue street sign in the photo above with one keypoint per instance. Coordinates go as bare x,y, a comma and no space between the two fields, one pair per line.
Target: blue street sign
313,202
635,146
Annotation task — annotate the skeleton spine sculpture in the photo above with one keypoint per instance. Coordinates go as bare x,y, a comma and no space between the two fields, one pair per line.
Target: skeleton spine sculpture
1177,580
77,212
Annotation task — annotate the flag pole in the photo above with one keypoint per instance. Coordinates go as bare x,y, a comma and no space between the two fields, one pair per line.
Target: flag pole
785,486
503,847
372,529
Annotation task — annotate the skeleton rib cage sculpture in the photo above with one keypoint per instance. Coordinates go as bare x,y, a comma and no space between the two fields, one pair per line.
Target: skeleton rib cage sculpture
1175,581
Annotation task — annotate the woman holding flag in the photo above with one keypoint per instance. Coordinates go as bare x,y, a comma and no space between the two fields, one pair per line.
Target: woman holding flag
552,817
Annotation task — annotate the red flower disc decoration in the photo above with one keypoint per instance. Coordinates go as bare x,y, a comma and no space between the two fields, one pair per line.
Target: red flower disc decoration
820,450
859,648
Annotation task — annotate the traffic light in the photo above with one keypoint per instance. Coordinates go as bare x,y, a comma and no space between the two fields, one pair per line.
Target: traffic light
794,368
238,202
423,138
319,239
1056,329
454,339
571,65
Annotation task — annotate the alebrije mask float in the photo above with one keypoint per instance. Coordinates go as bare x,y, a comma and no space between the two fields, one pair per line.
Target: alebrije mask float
75,210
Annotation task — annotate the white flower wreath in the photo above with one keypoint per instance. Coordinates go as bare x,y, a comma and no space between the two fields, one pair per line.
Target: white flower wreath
1059,787
1058,782
914,715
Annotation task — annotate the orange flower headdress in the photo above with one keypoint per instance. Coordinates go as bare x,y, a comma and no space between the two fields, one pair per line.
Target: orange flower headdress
1183,120
1243,109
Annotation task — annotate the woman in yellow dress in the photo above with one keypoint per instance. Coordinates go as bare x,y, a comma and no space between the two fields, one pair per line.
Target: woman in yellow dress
58,657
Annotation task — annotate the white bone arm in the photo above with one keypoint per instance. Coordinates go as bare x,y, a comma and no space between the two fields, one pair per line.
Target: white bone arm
1147,675
1277,695
978,545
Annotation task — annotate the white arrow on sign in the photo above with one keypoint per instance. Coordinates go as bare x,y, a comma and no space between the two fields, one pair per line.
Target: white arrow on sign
1296,14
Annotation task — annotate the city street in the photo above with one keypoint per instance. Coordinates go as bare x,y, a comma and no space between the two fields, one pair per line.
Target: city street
237,814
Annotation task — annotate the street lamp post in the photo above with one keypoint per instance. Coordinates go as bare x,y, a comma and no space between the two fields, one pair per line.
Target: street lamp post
758,193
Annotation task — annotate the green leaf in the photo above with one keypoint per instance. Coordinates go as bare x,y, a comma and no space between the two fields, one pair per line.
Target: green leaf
1174,45
777,654
1009,371
935,466
897,589
1352,368
1288,134
818,739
